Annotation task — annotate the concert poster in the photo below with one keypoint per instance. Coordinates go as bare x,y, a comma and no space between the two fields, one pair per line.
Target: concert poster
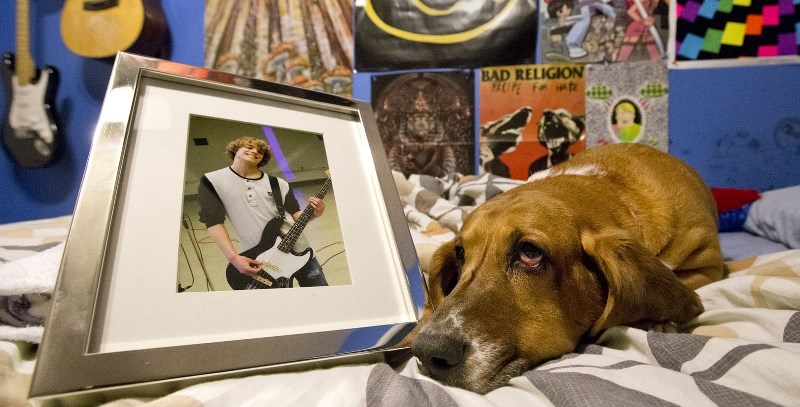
298,157
595,31
531,117
628,103
304,43
426,121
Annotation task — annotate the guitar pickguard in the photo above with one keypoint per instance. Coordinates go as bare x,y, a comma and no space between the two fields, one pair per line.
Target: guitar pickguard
27,115
280,264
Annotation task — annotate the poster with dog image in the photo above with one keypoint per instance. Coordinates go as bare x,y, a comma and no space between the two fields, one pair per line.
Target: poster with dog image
627,103
592,31
426,121
531,117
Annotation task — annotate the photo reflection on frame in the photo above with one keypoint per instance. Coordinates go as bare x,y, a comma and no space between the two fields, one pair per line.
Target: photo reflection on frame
229,200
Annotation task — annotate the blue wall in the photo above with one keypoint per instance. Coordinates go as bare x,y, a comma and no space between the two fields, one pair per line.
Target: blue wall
722,121
739,127
51,191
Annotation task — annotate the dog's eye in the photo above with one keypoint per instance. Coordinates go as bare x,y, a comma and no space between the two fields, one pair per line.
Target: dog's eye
529,255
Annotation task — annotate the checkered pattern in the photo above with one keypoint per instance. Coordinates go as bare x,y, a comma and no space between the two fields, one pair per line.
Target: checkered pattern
723,29
601,92
653,90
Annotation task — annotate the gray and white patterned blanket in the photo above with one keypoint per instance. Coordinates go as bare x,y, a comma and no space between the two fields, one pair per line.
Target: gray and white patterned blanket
744,350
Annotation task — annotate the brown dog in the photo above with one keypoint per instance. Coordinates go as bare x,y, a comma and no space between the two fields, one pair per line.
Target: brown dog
618,235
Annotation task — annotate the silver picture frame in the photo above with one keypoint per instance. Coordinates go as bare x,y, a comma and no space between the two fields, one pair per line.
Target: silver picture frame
117,327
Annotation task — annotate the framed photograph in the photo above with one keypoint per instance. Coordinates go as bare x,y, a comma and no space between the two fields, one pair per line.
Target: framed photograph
149,296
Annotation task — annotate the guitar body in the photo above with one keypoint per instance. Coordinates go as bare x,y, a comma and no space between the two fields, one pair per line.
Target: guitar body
101,28
278,266
30,133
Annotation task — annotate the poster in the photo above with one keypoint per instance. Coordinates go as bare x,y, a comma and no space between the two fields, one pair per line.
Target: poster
531,117
409,34
592,31
628,103
305,43
426,121
730,30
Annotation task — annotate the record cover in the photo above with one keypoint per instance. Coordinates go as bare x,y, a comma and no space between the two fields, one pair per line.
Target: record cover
531,117
426,121
627,103
592,31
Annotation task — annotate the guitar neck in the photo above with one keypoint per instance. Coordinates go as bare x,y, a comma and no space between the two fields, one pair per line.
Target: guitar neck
294,233
23,62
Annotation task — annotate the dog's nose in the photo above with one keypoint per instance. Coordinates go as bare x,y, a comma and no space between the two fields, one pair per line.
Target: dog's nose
439,352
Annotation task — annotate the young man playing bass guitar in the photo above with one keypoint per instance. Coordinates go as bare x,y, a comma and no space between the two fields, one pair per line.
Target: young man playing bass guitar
246,195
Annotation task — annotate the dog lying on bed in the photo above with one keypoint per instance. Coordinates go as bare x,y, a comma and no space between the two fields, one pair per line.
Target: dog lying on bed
619,235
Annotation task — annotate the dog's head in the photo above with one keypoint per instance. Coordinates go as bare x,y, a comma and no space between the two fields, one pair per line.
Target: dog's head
558,129
530,274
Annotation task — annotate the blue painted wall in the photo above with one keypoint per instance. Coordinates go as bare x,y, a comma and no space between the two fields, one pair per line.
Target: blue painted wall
722,121
52,191
739,127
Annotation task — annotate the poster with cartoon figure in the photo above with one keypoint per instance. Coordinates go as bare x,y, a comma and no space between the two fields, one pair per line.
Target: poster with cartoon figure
627,103
592,31
531,117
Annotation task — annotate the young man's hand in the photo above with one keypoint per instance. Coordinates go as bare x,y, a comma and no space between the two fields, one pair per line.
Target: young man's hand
318,205
245,265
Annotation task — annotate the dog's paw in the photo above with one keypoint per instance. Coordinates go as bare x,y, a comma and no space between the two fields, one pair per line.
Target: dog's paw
665,328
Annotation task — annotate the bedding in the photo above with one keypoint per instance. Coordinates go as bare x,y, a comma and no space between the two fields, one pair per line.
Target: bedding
776,215
743,350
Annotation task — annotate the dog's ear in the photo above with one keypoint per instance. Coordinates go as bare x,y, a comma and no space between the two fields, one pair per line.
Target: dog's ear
444,270
442,278
641,289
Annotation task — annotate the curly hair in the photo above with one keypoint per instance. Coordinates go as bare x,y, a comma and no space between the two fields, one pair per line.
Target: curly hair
263,148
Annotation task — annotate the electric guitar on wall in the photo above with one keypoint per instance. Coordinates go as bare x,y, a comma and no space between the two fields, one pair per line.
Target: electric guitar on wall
101,28
279,263
30,134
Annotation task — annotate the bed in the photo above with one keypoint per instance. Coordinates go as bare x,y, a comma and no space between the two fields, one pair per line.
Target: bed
743,350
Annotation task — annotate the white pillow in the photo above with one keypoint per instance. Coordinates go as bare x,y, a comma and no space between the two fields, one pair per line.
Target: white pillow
776,216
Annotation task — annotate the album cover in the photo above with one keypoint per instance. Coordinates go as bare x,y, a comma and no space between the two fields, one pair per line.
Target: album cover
426,121
531,117
627,103
592,31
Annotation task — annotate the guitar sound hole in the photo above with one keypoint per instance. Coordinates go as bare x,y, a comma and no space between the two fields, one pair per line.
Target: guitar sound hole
97,5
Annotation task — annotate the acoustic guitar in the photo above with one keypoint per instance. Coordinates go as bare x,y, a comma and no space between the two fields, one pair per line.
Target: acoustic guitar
30,134
101,28
279,263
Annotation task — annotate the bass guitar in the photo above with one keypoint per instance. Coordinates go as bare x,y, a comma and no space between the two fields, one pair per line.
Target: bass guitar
30,134
101,28
279,262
